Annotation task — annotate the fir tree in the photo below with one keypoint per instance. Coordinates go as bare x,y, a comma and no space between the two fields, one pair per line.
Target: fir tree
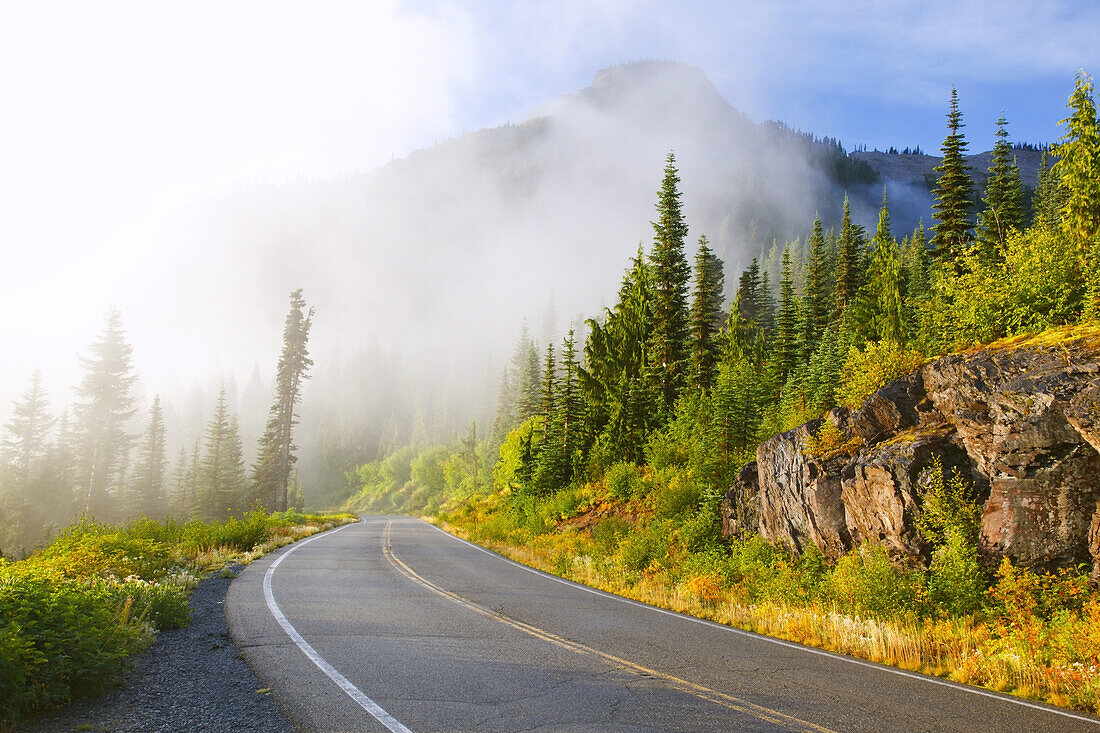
884,281
787,348
26,431
549,383
529,384
271,473
102,415
1078,173
819,287
706,316
849,275
152,466
670,273
954,190
1046,205
1004,198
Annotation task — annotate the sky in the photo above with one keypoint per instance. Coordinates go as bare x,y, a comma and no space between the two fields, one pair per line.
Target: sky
122,119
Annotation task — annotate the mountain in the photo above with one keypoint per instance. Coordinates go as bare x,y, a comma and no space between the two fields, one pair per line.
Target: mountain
422,270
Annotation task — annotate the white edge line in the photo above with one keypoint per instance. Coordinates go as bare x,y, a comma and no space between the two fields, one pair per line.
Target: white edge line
770,639
343,682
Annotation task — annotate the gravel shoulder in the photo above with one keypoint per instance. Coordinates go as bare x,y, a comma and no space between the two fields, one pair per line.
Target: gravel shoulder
191,679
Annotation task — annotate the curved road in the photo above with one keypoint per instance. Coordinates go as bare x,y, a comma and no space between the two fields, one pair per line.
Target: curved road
392,624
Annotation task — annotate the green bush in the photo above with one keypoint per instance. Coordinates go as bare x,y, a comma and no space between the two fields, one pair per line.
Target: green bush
871,368
623,481
864,582
675,494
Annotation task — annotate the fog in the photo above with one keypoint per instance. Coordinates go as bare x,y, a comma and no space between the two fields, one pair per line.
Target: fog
403,164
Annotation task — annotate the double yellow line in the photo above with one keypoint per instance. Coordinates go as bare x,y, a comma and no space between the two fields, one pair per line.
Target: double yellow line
699,691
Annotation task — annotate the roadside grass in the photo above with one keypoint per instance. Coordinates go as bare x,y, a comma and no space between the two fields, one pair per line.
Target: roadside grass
1032,635
72,614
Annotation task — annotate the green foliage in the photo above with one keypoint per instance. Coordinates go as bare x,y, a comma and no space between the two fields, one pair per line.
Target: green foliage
865,582
872,367
624,481
72,614
954,191
956,583
947,506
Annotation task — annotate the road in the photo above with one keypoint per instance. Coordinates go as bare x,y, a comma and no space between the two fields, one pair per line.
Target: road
392,624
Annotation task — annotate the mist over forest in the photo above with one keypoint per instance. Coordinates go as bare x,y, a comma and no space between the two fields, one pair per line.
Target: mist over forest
423,271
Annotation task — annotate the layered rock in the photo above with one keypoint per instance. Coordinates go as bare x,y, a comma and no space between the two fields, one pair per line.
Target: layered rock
1021,423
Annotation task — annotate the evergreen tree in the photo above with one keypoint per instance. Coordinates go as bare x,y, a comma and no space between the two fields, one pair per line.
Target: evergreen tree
706,316
549,383
670,273
271,473
505,418
954,190
26,431
529,384
1004,198
849,275
819,287
1078,173
1078,166
885,282
620,401
750,298
1046,205
179,502
102,415
152,466
787,348
214,494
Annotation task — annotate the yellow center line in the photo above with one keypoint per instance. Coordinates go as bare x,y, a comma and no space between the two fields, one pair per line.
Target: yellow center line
691,688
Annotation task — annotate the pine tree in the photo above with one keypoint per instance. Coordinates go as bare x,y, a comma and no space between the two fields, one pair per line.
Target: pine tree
1046,205
152,466
1004,198
25,443
214,496
706,316
179,502
954,191
102,415
849,275
819,287
530,384
271,472
1078,174
618,392
749,296
505,418
884,281
670,273
1078,166
549,383
786,348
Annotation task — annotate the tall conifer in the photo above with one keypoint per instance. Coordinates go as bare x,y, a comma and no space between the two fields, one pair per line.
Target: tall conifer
670,273
271,473
706,316
954,190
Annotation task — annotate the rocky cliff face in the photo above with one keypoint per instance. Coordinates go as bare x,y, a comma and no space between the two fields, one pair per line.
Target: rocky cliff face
1020,420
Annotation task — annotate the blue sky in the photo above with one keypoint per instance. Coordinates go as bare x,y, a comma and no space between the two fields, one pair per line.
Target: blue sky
875,73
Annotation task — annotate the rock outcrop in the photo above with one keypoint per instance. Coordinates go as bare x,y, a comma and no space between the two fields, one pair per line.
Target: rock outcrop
1020,421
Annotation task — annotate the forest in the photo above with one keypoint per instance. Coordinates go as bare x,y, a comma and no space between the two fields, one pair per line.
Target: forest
86,463
610,452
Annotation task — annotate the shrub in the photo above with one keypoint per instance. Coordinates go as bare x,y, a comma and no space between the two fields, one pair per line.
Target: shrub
623,480
956,583
871,368
865,583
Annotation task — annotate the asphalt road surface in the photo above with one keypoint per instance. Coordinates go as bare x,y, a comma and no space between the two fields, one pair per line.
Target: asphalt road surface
392,624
